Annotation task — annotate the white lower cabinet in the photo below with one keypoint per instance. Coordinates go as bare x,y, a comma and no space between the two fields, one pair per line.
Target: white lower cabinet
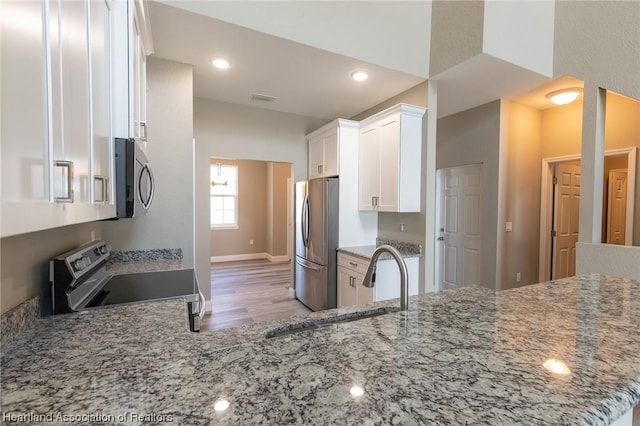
351,272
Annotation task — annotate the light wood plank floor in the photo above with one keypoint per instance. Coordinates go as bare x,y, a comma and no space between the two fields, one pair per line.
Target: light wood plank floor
250,291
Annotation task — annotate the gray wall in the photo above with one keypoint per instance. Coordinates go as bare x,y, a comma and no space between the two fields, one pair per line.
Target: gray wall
456,33
252,202
599,42
234,131
521,143
262,210
472,137
25,260
169,221
277,240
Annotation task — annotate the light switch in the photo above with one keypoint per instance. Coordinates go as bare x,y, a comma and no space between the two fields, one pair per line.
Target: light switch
509,227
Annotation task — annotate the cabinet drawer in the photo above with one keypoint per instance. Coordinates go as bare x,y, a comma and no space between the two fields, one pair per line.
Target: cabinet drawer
354,263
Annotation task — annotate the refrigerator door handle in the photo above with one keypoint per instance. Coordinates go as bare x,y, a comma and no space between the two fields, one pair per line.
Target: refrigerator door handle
303,219
306,221
306,264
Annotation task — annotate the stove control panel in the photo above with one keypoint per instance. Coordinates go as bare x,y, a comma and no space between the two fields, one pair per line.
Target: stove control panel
84,258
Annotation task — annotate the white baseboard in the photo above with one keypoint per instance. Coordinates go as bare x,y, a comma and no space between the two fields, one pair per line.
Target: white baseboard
281,258
236,257
249,256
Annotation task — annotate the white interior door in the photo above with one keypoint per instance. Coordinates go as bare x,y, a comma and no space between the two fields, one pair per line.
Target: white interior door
617,207
565,220
459,238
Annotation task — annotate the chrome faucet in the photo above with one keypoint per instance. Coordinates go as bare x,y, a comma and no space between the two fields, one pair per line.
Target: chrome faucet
370,280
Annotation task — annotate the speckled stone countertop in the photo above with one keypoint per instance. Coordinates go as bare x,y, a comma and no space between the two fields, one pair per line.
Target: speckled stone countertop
132,261
467,356
407,250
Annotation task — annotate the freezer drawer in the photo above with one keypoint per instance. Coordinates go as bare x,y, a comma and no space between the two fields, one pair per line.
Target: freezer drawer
311,284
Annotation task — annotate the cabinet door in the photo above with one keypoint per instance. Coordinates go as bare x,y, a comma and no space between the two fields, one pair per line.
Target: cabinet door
368,169
101,66
365,294
26,165
346,288
316,158
331,157
389,164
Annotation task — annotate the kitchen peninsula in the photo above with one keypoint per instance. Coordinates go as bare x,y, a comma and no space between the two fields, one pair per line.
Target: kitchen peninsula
467,356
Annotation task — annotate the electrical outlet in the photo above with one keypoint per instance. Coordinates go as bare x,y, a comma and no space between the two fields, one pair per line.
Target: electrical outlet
518,277
250,242
509,226
402,227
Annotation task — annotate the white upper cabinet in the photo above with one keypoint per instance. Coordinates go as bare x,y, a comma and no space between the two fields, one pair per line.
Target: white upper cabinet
324,148
140,45
26,162
390,160
57,150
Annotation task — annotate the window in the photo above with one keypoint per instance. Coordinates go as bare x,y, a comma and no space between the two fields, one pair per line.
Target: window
224,196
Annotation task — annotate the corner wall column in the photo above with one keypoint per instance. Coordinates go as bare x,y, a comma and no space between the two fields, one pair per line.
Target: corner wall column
593,144
430,188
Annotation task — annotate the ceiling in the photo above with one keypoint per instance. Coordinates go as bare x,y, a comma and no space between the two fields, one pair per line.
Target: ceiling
304,80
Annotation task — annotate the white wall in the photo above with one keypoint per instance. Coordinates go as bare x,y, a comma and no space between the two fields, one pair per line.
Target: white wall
394,34
169,221
520,32
239,132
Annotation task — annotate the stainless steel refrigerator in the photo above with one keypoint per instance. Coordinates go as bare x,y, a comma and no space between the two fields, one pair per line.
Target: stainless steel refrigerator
316,242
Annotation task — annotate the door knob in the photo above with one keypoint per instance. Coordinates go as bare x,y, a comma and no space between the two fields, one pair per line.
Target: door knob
440,238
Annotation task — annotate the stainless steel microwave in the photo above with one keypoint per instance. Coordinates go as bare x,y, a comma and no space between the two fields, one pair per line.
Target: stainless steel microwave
135,184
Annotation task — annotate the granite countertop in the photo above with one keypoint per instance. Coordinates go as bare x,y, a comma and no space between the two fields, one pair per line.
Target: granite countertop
407,250
467,356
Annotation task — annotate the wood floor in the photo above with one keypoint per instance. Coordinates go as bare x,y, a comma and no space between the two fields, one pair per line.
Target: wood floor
249,292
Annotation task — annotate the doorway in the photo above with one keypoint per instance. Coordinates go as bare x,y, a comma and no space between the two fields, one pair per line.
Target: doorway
559,208
251,212
459,224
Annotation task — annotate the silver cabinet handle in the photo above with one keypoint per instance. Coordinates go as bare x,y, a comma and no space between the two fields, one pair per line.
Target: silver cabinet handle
374,201
143,131
69,166
353,264
103,185
320,168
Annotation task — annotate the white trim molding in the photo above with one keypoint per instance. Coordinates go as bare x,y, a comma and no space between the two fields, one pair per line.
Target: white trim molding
249,256
546,190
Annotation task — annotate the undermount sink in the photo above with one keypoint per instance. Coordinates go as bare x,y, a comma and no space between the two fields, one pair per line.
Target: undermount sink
323,322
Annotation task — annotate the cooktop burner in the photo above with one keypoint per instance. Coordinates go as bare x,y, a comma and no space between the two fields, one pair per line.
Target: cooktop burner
135,287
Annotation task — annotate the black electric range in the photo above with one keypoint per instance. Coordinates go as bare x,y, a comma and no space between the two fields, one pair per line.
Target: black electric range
79,281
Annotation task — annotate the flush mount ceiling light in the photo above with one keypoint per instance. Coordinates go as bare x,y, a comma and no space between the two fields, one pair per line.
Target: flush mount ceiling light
221,63
564,96
359,75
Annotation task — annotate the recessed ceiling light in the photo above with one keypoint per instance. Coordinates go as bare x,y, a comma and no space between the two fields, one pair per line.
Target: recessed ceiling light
564,96
221,63
359,75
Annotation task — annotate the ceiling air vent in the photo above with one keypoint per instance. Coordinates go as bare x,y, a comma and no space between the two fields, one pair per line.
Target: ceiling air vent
262,98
